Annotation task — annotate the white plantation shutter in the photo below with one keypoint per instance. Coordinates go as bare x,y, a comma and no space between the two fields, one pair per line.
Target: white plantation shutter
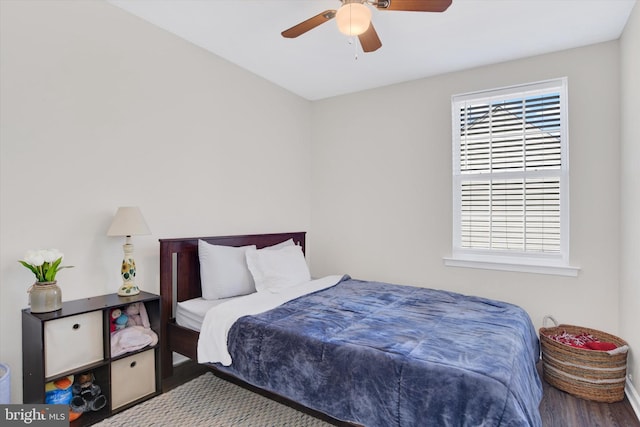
510,174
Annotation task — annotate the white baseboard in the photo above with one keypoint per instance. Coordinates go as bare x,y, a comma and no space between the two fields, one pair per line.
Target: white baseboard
634,397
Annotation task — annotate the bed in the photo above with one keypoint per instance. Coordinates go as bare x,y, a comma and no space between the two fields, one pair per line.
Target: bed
361,352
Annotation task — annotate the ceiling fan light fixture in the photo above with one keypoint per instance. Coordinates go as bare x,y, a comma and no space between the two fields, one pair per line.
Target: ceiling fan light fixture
353,19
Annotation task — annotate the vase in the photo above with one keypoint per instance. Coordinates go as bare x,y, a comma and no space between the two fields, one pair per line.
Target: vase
45,297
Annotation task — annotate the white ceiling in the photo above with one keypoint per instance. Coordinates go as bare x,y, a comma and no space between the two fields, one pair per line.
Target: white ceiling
322,63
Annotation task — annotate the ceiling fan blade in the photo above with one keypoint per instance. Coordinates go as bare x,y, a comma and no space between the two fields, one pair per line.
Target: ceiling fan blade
309,24
415,5
370,40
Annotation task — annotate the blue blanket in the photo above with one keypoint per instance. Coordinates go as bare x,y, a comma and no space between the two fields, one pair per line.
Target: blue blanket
378,354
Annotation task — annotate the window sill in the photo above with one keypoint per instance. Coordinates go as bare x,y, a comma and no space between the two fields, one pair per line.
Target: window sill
512,266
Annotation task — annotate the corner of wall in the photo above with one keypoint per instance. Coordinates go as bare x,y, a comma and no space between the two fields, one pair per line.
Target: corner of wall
634,397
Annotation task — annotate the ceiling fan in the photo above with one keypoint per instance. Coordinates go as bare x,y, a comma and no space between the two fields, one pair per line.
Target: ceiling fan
354,18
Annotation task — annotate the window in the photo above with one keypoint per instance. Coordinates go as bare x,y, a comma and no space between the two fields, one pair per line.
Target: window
510,179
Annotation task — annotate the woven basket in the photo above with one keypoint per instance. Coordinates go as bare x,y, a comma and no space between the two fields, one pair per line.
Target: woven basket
588,374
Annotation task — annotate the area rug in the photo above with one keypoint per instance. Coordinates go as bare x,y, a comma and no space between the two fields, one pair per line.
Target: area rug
213,402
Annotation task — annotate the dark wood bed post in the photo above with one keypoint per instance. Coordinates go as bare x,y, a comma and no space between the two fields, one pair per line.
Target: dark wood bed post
187,285
166,308
186,271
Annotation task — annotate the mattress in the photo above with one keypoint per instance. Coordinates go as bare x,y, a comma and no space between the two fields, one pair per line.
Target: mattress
190,314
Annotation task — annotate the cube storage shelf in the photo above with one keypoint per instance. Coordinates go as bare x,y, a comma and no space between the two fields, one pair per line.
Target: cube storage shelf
76,339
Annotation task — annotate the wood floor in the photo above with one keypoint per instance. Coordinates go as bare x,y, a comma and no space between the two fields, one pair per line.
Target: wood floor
558,409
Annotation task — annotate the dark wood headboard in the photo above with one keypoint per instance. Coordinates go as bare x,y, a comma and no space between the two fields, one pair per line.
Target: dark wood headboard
180,281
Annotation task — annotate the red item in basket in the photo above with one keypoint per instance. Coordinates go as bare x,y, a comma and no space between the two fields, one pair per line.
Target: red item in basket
601,346
583,340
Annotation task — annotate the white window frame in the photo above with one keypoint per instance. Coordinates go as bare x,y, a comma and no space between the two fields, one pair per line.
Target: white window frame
510,260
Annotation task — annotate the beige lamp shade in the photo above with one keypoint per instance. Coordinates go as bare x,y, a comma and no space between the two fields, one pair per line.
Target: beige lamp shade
128,221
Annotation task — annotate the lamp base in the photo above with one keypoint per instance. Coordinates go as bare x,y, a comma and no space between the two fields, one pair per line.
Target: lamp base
128,289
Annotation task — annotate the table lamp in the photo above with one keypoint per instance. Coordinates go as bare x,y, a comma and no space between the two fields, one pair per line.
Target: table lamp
128,222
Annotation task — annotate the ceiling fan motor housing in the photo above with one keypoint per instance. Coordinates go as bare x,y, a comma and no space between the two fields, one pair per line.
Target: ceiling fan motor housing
353,18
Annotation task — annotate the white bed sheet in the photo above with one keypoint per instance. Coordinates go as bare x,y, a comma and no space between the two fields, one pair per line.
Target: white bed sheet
212,342
190,314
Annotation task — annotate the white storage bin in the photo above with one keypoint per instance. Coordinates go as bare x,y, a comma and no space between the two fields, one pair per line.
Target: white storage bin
71,342
132,378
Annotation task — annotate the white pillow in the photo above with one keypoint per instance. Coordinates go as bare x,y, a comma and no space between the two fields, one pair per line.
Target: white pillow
281,244
223,271
277,269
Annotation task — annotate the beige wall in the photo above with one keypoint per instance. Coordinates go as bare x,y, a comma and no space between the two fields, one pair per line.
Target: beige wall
630,196
99,110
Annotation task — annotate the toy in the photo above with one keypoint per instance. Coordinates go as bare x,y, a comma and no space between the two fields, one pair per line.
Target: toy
87,396
59,392
118,320
121,321
137,315
135,333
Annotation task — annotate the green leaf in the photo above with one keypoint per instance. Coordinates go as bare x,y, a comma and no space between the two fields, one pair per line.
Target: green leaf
56,263
29,266
50,274
53,276
33,269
